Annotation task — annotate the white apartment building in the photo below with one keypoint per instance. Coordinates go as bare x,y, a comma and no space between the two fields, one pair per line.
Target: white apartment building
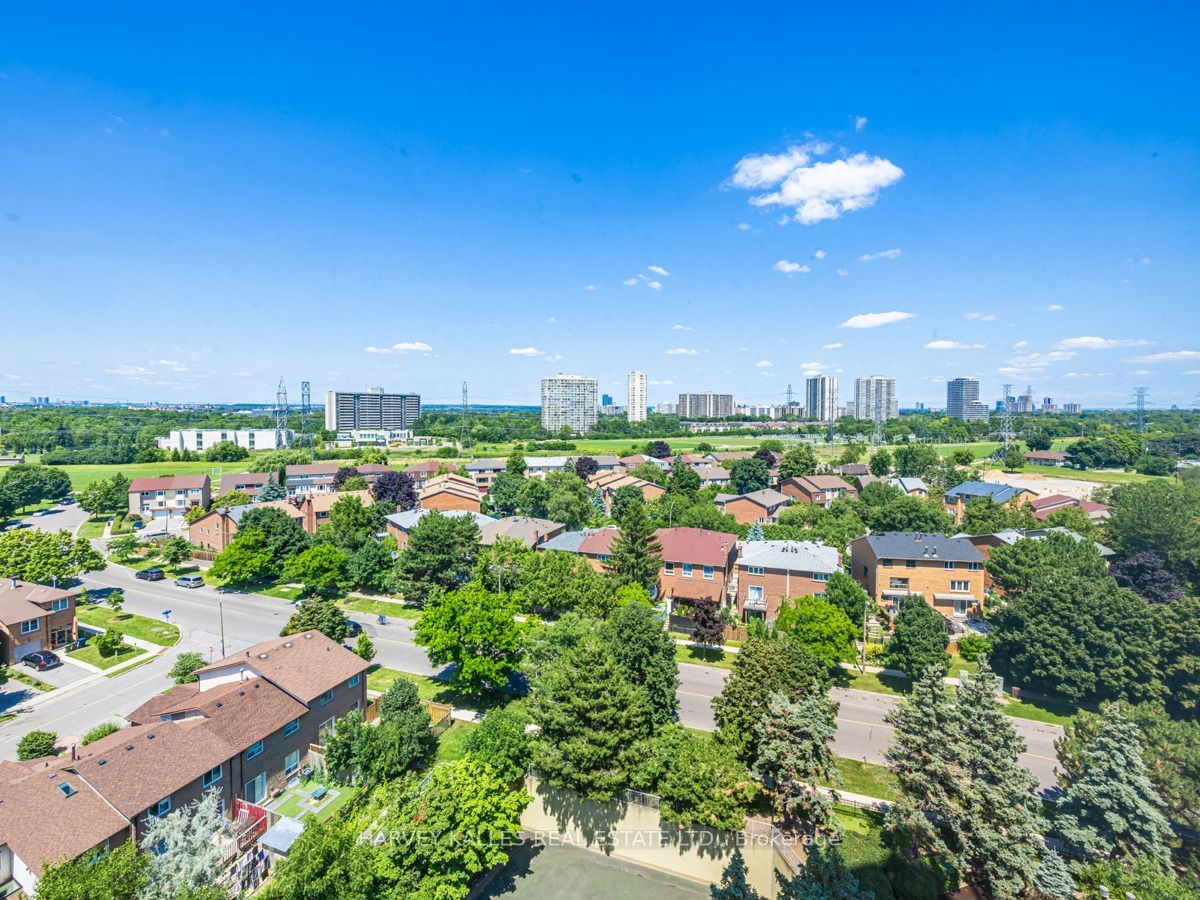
635,406
372,409
875,398
570,401
962,400
705,406
200,439
821,398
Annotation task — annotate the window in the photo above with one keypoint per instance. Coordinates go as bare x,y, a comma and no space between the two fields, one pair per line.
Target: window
211,777
160,809
960,585
948,565
30,626
291,728
708,573
668,568
291,762
687,570
353,682
602,557
820,576
974,567
256,788
254,750
898,584
755,570
886,562
910,564
326,697
754,592
59,605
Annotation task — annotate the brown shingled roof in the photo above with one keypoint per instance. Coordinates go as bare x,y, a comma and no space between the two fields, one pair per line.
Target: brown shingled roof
305,665
167,483
20,603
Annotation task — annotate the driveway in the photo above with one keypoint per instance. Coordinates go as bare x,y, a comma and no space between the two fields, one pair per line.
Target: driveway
58,518
60,676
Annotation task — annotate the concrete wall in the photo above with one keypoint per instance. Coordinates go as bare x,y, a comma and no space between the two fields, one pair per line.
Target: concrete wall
636,833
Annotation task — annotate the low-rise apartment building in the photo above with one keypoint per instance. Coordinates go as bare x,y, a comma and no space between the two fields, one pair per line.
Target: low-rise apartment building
946,572
198,440
248,483
769,572
314,508
34,617
710,475
168,496
484,471
309,478
818,490
529,530
422,471
608,483
757,507
450,491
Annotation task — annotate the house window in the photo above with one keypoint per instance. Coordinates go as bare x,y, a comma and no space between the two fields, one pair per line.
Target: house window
948,565
211,777
708,573
602,557
326,697
291,762
974,567
960,585
291,728
898,584
960,607
353,682
687,570
160,809
886,562
668,568
755,570
910,564
59,605
254,750
820,576
29,626
256,788
754,592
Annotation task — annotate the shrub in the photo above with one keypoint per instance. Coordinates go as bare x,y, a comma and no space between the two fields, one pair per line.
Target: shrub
973,646
37,744
186,664
110,642
104,729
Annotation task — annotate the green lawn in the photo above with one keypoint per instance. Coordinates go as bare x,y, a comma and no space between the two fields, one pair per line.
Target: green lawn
452,741
868,779
93,528
438,691
1049,711
26,679
282,591
295,803
871,681
390,608
703,656
91,655
153,630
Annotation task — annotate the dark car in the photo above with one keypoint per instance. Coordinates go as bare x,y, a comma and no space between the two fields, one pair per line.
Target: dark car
138,526
67,501
152,574
41,659
353,629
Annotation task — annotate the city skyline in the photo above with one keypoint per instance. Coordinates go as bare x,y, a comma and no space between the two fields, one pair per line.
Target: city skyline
374,205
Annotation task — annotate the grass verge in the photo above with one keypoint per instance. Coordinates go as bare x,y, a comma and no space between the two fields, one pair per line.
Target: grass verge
29,680
438,691
868,779
93,528
393,609
1049,711
142,627
149,658
91,655
703,656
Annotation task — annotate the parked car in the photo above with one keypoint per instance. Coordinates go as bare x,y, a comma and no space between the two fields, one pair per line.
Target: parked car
67,501
138,526
353,628
41,659
190,581
152,574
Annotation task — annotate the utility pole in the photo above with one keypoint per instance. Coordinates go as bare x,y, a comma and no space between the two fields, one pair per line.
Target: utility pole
221,613
1140,394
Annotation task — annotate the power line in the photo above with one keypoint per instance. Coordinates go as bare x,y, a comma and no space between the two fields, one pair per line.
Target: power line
464,431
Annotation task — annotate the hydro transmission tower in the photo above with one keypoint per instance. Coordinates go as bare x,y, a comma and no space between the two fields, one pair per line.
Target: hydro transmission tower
878,415
306,435
1006,419
281,413
464,429
1140,395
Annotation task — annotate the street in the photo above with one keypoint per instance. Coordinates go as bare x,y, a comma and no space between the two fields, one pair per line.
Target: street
248,618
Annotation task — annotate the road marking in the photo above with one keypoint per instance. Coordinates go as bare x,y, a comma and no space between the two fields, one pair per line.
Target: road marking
868,724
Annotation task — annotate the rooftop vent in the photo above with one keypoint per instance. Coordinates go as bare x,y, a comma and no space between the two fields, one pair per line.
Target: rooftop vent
101,762
129,746
262,656
150,736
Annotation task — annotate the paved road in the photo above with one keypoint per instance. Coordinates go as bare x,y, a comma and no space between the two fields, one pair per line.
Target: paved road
249,618
58,518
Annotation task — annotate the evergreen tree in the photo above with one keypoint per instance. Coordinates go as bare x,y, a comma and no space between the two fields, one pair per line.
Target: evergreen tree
1053,879
647,653
636,552
794,754
439,556
919,639
734,884
590,721
755,533
825,877
272,490
1109,808
183,856
598,503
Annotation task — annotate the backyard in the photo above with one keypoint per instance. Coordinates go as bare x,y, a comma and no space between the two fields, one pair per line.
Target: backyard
311,796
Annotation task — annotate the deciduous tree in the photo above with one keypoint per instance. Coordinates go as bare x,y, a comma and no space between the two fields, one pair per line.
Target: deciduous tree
320,568
439,556
747,475
919,639
245,560
318,614
475,631
820,627
799,460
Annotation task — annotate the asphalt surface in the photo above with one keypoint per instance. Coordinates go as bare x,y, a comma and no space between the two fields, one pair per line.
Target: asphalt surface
248,618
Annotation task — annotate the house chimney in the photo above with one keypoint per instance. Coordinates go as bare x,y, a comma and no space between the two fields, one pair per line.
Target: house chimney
73,754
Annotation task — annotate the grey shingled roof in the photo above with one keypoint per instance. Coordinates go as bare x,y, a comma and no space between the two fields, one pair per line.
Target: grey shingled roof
804,556
408,519
919,545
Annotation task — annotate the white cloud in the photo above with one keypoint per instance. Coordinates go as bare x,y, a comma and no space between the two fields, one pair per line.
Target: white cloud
836,345
591,286
681,351
1035,363
1188,372
894,253
980,317
1020,345
820,254
126,369
401,347
811,373
654,285
874,320
1143,261
1169,356
764,364
952,345
843,271
526,351
658,270
743,226
678,326
1147,372
551,320
552,357
816,191
789,267
743,349
1076,375
1099,343
860,122
630,282
1054,307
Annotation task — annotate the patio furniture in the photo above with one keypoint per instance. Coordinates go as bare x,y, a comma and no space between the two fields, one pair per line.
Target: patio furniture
319,792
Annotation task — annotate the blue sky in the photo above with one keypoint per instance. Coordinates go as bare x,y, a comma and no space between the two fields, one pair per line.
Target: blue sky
196,201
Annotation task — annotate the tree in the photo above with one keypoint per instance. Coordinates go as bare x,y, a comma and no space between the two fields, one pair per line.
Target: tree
1171,752
648,471
114,600
800,460
764,665
231,498
271,491
176,550
658,449
1142,878
1014,460
590,721
684,481
475,631
1056,558
395,489
504,495
321,567
1038,439
914,460
747,475
568,500
184,669
636,555
36,744
734,884
364,647
1158,516
329,862
586,467
1179,655
1147,574
794,755
646,653
110,642
1074,519
318,614
919,639
534,498
708,622
106,496
119,874
225,451
844,592
825,877
983,516
184,858
103,730
350,524
370,567
552,583
46,557
705,785
283,534
439,556
755,533
246,559
819,627
912,514
880,463
343,475
1109,809
502,742
1052,878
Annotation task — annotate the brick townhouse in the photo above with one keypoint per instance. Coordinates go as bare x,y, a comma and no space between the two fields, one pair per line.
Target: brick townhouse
947,572
401,524
757,507
957,498
819,490
168,496
243,729
446,492
216,528
608,483
768,572
309,478
34,617
249,483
